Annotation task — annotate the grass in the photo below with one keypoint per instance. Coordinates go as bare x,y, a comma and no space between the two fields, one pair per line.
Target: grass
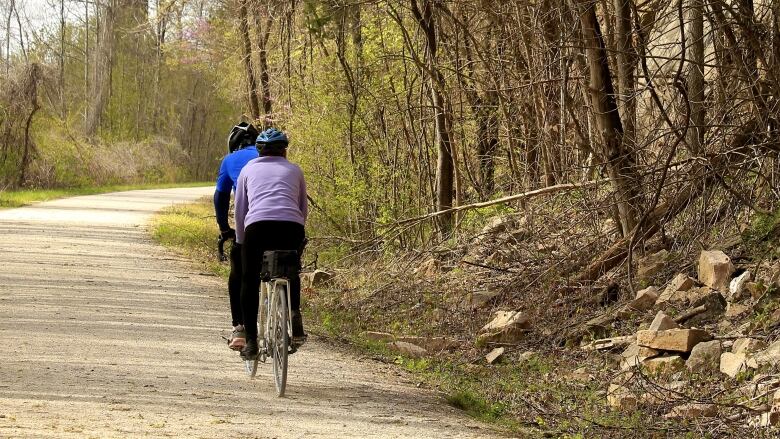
25,197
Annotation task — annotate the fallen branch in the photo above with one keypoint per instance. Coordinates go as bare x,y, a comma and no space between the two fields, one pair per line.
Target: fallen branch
507,199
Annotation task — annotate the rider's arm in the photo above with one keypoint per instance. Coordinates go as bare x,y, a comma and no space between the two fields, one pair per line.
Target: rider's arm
242,206
303,201
221,207
222,196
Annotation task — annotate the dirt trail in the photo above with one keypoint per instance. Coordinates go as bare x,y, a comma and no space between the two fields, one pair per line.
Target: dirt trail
105,334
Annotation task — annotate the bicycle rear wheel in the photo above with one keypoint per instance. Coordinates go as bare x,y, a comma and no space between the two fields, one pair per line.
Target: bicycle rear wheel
280,339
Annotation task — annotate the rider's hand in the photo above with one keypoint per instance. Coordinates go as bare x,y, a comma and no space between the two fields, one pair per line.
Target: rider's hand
228,234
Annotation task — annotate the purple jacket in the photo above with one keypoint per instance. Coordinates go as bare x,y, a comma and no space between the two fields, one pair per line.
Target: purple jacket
269,189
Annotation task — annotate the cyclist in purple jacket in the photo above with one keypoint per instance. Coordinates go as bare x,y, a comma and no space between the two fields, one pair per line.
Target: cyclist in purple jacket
271,210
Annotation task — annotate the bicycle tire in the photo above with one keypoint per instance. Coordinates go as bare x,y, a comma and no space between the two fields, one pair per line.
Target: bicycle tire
280,339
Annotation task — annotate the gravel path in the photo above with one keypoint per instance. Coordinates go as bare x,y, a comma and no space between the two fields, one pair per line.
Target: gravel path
106,334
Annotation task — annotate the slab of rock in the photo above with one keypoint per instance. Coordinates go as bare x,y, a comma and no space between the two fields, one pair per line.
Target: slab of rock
676,340
768,419
662,322
621,398
645,299
693,410
430,344
651,265
407,349
494,355
634,355
506,327
681,282
704,357
315,278
735,310
663,365
383,337
770,355
480,299
715,269
747,345
732,364
609,343
429,268
737,290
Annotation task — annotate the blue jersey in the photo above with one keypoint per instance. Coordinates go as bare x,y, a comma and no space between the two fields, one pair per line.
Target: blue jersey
231,167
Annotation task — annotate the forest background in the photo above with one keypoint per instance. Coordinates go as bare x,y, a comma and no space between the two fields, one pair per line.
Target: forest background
604,129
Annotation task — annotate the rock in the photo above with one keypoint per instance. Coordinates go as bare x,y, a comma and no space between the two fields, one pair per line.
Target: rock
429,268
506,327
663,365
677,340
609,343
407,349
315,278
735,310
770,355
645,299
634,355
681,282
732,364
737,288
693,410
383,337
494,355
652,264
747,346
768,419
657,395
525,356
431,344
480,299
755,289
715,269
498,224
662,322
704,357
621,398
713,302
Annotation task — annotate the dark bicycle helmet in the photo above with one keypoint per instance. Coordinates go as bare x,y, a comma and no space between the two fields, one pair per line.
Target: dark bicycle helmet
242,135
274,137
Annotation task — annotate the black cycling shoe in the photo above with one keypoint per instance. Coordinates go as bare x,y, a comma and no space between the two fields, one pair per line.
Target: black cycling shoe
299,336
251,350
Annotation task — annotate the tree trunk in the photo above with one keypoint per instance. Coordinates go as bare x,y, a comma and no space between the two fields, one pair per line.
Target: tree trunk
263,28
443,120
104,60
696,77
626,56
618,159
246,46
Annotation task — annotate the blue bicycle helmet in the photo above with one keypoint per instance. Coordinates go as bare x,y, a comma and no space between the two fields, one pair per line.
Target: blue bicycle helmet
272,137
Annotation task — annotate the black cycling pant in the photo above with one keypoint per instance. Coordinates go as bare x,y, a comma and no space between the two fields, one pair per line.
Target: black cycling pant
259,237
234,285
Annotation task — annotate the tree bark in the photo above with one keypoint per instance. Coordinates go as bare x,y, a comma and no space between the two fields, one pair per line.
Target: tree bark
246,46
443,119
104,60
696,77
619,160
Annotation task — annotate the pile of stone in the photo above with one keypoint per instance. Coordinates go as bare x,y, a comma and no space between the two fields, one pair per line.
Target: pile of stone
675,349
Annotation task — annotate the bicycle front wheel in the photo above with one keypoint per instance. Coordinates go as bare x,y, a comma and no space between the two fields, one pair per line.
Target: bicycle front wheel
280,339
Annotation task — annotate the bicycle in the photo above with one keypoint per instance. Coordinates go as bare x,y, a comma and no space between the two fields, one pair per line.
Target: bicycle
274,315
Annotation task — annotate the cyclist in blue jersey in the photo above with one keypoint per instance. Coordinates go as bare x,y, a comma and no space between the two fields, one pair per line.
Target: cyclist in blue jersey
241,149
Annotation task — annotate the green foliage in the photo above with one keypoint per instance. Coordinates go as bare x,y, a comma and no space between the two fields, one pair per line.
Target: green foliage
475,405
763,233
